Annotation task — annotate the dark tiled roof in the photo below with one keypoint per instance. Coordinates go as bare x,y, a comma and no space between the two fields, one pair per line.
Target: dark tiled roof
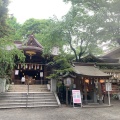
30,44
111,53
89,71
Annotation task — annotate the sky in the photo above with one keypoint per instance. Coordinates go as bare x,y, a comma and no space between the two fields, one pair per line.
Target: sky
39,9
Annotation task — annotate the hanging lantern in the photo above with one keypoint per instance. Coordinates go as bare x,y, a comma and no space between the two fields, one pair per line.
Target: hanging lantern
86,80
91,82
116,76
32,66
29,67
35,67
26,66
21,65
102,81
41,67
18,66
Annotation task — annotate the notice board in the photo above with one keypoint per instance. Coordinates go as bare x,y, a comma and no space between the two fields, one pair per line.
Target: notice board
76,96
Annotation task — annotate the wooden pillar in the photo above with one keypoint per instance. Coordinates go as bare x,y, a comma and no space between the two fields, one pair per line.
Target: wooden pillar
100,92
45,74
77,83
85,92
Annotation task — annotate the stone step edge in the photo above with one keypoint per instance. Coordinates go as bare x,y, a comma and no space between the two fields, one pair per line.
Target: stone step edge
24,92
22,103
12,107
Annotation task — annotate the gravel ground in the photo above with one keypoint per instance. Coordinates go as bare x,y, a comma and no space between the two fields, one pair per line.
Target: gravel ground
62,113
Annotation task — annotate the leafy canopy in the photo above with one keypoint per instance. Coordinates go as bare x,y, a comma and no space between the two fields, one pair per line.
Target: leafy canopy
8,52
60,65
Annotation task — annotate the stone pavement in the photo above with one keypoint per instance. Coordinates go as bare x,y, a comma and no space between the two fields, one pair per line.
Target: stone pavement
62,113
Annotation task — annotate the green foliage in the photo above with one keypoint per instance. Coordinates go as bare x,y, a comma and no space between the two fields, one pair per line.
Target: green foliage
106,13
80,32
4,29
34,26
60,66
15,33
51,36
115,96
8,52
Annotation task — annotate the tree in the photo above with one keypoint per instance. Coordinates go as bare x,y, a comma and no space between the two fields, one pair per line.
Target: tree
8,55
15,32
52,36
107,12
3,15
8,52
111,17
60,66
34,26
80,32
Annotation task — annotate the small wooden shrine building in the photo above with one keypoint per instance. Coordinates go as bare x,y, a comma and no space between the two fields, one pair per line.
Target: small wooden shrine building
89,79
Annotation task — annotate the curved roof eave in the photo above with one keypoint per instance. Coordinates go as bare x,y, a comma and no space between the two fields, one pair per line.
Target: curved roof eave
30,48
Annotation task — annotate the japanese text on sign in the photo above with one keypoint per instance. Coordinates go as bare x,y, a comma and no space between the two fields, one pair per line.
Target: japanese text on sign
76,96
108,87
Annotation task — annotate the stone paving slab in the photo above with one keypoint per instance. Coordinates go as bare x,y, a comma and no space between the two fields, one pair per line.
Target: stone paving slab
63,113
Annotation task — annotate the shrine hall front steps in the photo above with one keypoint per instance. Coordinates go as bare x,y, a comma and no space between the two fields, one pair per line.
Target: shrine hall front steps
38,96
21,100
24,88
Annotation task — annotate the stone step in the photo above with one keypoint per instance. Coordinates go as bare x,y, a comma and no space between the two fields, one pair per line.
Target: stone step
15,100
32,95
39,100
17,106
22,98
29,103
24,88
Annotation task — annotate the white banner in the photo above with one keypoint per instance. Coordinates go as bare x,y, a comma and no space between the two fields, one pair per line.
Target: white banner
76,96
108,86
16,72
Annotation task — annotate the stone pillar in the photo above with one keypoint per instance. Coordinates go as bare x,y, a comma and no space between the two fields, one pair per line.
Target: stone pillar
94,97
2,85
53,85
45,74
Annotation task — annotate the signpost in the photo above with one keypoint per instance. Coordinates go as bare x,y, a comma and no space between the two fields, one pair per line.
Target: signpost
108,87
76,97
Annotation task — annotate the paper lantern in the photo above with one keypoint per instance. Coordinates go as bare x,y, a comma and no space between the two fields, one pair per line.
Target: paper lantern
86,80
102,81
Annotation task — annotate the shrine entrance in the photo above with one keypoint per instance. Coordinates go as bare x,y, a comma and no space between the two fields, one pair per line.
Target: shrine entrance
33,71
34,65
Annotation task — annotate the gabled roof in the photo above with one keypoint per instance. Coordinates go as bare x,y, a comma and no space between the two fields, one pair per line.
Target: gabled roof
91,58
89,71
111,53
30,44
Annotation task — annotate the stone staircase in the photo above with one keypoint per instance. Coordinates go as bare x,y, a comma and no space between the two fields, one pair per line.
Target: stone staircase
24,88
38,96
